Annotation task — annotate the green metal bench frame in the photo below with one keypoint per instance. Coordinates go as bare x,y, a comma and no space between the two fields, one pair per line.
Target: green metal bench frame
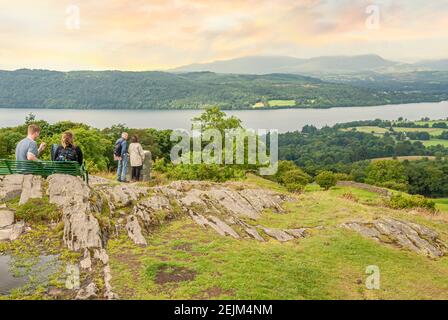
43,168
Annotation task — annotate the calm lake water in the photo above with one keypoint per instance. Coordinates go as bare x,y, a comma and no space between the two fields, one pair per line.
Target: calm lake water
283,120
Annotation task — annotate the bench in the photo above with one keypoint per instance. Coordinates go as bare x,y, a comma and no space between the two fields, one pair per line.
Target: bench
43,168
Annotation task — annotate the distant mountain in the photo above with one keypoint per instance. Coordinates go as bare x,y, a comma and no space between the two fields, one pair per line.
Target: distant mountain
436,65
245,65
279,64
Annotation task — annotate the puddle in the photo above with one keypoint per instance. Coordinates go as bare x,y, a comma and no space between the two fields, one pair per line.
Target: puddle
16,274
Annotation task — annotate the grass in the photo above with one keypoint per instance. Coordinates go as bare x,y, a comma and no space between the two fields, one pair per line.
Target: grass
403,158
435,142
442,204
329,264
434,132
282,103
276,103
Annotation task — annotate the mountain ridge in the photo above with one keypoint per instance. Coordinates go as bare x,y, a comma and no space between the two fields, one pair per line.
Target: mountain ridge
337,64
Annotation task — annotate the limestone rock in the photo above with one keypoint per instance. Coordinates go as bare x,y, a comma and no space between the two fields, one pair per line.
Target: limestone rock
88,293
12,232
135,231
403,234
81,228
10,186
297,233
6,217
101,255
86,262
278,234
31,188
109,294
215,223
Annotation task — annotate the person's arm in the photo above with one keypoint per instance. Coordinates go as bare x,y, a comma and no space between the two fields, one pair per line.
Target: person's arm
80,155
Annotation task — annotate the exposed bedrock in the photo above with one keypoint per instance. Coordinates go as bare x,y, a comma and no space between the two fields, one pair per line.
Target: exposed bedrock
402,234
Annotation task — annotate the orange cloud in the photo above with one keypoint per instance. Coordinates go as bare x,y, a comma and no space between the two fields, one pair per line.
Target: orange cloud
160,34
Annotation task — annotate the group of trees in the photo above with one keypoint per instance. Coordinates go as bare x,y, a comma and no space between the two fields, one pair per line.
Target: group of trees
163,90
97,145
322,155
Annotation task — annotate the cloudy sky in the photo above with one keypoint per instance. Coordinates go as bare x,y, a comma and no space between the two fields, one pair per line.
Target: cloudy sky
161,34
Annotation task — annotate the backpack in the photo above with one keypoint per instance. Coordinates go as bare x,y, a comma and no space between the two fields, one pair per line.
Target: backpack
67,154
118,148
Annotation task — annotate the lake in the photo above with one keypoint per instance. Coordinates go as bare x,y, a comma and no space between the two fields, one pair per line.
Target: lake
282,119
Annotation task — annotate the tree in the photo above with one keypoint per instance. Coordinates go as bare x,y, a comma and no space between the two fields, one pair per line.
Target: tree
214,118
326,179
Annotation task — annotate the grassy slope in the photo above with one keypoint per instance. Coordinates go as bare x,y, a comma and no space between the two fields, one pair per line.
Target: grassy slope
330,264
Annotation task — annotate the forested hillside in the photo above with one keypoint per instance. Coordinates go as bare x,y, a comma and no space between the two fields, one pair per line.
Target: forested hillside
160,90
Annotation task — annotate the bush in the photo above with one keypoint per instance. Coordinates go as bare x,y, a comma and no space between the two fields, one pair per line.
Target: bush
343,177
211,172
407,201
394,185
291,176
38,210
326,179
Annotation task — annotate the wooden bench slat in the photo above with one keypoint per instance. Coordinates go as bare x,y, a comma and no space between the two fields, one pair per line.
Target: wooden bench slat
43,168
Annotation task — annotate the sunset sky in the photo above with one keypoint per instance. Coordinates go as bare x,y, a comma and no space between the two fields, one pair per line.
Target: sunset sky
162,34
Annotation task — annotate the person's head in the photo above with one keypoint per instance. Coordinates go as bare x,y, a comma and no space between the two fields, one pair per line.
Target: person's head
134,139
125,135
33,131
67,139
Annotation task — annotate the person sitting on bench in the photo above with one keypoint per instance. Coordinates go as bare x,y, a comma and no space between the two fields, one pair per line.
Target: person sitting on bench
27,148
68,151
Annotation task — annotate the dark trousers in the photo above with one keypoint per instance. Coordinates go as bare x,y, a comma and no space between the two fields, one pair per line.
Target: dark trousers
136,173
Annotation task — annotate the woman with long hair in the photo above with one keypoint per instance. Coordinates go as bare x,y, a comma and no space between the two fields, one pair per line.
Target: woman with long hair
67,150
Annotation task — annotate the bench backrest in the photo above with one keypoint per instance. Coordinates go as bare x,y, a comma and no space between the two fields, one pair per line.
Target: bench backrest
42,168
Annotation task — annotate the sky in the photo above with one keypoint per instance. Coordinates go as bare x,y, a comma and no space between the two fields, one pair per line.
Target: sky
162,34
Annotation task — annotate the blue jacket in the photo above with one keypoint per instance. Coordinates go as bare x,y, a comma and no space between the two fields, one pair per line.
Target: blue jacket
124,146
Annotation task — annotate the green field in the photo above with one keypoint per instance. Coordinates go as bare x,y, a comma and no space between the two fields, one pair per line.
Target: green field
435,142
378,130
442,204
434,132
276,103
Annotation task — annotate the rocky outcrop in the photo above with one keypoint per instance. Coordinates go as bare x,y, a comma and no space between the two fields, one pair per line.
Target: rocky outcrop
135,231
24,186
31,188
8,229
81,228
220,207
402,234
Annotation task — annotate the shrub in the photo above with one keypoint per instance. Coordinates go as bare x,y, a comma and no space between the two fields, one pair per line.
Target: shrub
326,179
394,185
407,201
38,210
211,172
291,176
343,177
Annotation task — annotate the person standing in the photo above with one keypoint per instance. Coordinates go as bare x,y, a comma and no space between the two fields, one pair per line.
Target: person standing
136,156
27,149
121,155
